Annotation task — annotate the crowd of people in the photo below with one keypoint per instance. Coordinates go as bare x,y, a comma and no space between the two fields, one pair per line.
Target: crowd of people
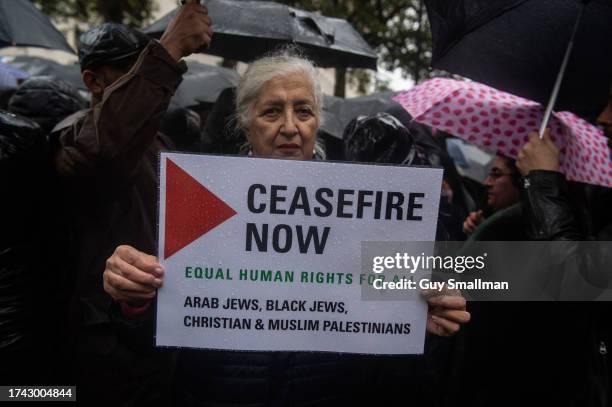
78,275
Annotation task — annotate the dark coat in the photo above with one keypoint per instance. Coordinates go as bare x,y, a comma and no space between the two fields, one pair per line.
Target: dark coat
222,378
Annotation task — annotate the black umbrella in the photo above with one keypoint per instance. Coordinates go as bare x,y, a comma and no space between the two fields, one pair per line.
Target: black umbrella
245,30
36,66
519,45
23,25
202,84
338,112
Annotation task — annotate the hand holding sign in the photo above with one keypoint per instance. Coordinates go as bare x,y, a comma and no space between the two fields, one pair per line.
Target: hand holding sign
132,276
304,306
446,312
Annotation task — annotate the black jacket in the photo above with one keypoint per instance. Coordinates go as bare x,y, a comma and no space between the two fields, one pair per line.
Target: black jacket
558,210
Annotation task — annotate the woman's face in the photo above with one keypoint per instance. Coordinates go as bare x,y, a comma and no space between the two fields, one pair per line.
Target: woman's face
284,124
502,193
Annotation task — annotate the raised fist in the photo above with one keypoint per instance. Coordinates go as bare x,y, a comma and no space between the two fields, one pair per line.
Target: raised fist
189,30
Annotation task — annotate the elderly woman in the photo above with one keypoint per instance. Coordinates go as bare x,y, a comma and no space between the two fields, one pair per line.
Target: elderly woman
279,104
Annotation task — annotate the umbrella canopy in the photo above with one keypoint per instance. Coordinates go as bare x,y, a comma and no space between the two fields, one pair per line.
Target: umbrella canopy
500,121
23,25
519,45
245,30
202,84
36,66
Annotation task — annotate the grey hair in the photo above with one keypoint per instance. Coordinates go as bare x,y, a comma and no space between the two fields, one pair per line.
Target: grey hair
280,63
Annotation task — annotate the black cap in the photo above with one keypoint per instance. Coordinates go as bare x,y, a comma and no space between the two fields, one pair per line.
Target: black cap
108,43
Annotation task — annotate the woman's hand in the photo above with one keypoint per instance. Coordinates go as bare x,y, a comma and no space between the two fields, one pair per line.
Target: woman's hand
538,154
447,311
472,222
132,276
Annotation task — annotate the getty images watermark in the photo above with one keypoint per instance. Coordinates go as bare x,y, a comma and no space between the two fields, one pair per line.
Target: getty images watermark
401,270
489,271
405,262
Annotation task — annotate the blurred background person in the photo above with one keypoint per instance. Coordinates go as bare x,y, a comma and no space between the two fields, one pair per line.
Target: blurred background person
503,191
46,101
183,127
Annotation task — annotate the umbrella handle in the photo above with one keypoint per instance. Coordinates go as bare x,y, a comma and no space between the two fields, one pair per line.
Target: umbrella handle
555,91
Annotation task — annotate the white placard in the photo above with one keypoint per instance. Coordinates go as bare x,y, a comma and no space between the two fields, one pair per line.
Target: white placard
264,254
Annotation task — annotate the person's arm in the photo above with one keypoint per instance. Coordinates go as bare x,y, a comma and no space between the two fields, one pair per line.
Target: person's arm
581,267
118,131
547,209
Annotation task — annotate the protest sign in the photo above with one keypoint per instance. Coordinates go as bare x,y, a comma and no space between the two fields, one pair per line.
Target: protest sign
264,254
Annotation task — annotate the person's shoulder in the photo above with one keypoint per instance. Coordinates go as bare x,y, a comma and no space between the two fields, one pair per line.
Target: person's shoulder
70,120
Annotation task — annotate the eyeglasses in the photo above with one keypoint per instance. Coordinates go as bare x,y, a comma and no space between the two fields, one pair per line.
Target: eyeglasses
495,174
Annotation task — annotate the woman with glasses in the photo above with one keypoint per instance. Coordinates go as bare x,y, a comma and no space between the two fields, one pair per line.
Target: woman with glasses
503,191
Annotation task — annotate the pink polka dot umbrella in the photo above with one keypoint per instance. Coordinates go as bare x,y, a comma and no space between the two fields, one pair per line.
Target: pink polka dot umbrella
501,122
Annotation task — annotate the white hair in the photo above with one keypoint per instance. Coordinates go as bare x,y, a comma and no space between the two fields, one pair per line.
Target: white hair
282,63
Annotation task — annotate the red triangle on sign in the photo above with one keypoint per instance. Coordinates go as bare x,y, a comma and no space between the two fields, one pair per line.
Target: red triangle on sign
191,209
